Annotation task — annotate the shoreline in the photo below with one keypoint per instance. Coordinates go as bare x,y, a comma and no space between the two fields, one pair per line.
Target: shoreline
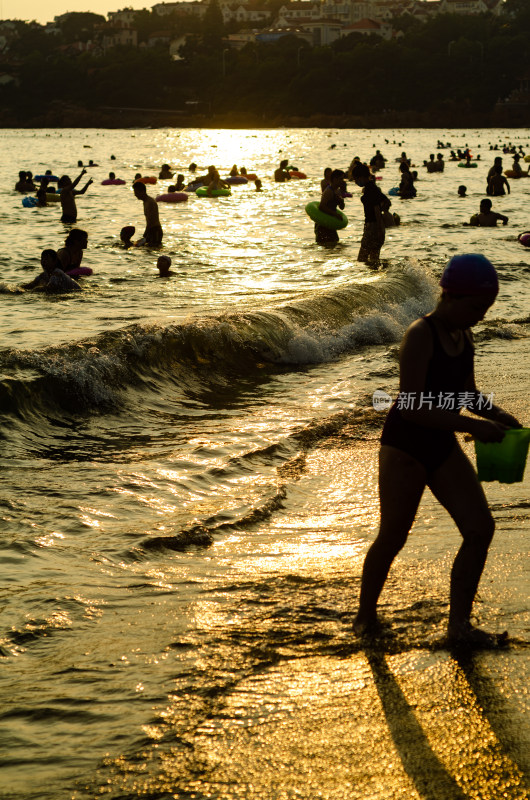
60,116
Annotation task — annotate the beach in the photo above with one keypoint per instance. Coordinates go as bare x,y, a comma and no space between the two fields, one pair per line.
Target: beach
189,487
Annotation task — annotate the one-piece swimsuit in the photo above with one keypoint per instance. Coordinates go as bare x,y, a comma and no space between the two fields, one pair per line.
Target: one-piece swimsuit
447,377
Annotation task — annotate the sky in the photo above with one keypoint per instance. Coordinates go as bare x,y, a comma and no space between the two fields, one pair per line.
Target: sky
47,10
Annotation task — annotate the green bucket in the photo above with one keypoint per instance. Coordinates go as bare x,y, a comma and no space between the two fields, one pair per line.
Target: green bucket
503,461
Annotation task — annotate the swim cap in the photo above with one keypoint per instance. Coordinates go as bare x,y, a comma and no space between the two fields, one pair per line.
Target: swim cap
471,273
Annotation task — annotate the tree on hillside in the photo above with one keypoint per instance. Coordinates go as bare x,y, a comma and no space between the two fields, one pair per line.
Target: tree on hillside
79,25
213,26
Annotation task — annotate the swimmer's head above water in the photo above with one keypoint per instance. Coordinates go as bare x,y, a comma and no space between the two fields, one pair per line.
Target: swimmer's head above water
163,264
49,260
126,235
77,239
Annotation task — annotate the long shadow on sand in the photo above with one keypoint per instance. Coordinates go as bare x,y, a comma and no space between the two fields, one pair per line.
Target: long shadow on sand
430,777
496,709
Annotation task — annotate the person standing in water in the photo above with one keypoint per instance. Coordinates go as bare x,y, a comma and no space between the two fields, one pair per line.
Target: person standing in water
376,204
329,202
419,447
68,194
153,230
497,182
282,173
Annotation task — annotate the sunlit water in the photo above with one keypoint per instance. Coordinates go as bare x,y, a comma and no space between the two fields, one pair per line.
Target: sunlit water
189,485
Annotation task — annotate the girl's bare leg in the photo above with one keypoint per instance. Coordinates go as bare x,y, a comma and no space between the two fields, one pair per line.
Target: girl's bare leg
456,486
402,480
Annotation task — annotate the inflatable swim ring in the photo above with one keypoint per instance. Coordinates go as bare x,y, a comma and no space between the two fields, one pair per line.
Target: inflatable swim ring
465,165
48,177
29,202
172,197
326,220
394,191
527,158
251,176
53,197
75,273
511,173
150,179
295,173
113,182
202,191
235,179
524,239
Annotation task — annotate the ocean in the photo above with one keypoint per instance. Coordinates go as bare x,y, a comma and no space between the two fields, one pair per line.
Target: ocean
189,485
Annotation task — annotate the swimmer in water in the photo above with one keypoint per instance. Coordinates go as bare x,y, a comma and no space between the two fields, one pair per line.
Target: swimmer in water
486,218
71,255
126,235
419,447
282,173
329,202
53,279
22,185
462,190
326,180
216,182
163,264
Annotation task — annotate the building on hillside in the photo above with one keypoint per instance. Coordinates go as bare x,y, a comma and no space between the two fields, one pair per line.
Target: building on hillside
159,39
422,11
238,40
274,34
354,10
290,13
76,48
470,7
119,37
195,9
244,12
369,27
336,9
324,31
123,18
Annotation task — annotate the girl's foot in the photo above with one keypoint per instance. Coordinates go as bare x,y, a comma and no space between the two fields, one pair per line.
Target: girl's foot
466,635
366,626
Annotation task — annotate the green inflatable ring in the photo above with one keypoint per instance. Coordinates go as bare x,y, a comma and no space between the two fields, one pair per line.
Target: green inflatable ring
202,191
464,165
326,220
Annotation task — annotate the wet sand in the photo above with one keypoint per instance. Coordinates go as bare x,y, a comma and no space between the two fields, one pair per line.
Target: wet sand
310,711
